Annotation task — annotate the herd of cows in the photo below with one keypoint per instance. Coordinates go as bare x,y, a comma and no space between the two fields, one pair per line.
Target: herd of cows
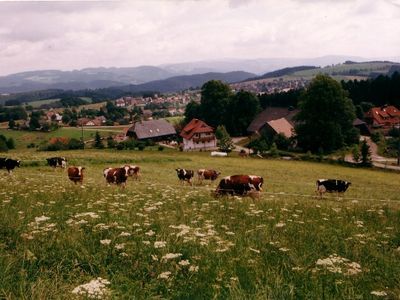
240,185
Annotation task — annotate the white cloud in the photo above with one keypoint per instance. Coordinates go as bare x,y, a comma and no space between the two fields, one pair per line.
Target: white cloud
68,35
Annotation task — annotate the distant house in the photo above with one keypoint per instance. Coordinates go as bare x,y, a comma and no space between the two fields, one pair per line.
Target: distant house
279,126
270,114
53,116
156,130
198,135
98,121
385,117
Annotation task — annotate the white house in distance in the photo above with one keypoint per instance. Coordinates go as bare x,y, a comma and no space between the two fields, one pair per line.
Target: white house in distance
198,135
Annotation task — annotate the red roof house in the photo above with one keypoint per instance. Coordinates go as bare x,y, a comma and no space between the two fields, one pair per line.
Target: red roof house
384,117
198,135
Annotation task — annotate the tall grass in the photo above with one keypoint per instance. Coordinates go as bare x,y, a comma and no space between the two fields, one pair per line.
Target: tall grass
158,238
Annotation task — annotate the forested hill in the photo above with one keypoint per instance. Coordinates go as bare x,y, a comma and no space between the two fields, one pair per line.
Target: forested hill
173,84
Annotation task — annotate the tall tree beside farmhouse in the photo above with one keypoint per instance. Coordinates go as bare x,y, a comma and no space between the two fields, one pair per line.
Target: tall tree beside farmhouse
325,120
192,111
241,110
215,96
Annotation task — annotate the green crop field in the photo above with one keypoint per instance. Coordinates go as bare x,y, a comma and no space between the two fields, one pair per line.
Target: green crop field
160,239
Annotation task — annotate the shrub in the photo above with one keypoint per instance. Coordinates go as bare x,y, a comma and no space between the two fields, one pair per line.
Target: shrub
160,148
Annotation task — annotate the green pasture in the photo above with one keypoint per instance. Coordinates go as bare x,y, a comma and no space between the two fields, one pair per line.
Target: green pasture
24,138
158,238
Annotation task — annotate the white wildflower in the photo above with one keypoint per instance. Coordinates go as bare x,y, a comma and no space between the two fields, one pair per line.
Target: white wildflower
124,234
280,225
164,275
120,246
150,233
171,256
159,244
379,293
95,289
105,242
184,262
194,269
41,219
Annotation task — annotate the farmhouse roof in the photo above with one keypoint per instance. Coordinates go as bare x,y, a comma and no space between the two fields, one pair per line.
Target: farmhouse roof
195,126
387,114
269,114
152,129
282,126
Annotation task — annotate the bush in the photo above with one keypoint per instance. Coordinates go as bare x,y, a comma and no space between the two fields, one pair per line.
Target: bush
160,148
376,136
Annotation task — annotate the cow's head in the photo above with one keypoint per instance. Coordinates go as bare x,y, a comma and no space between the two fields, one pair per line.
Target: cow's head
178,170
18,163
347,184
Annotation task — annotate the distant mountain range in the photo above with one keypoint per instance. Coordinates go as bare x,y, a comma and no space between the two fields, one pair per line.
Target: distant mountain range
171,77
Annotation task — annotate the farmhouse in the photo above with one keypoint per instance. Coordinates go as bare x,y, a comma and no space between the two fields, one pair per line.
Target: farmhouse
270,114
198,135
98,121
279,126
385,117
156,130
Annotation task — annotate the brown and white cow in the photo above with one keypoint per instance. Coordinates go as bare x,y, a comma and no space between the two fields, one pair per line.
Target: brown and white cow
185,175
239,185
119,176
134,171
204,174
331,186
75,174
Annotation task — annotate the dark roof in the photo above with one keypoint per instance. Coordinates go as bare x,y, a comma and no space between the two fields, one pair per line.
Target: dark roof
358,122
152,129
270,114
195,126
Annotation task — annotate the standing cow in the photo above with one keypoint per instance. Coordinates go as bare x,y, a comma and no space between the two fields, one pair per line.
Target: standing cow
331,185
9,164
57,162
75,174
134,171
239,185
204,174
185,175
120,175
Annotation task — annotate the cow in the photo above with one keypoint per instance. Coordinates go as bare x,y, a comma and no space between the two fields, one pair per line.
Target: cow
239,185
75,174
331,185
207,175
118,175
185,175
134,171
57,162
9,164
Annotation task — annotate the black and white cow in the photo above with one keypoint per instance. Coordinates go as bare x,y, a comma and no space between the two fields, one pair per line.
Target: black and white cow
9,164
57,162
331,186
185,175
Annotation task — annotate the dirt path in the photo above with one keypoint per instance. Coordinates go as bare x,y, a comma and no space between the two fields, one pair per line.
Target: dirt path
380,161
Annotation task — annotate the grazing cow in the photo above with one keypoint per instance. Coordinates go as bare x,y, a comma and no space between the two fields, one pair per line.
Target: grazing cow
119,175
239,185
134,171
331,185
57,162
75,174
185,175
9,164
207,175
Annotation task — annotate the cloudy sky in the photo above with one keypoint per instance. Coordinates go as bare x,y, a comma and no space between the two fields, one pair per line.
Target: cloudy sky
77,34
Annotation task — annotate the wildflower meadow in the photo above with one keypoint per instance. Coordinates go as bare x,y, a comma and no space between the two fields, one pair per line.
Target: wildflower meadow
158,238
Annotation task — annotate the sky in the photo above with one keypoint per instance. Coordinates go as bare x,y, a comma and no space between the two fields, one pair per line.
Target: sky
67,35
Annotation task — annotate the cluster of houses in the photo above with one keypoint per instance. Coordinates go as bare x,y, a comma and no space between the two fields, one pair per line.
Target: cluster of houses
197,135
271,85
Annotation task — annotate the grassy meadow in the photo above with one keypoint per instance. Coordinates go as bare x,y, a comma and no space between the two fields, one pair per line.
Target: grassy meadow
161,239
